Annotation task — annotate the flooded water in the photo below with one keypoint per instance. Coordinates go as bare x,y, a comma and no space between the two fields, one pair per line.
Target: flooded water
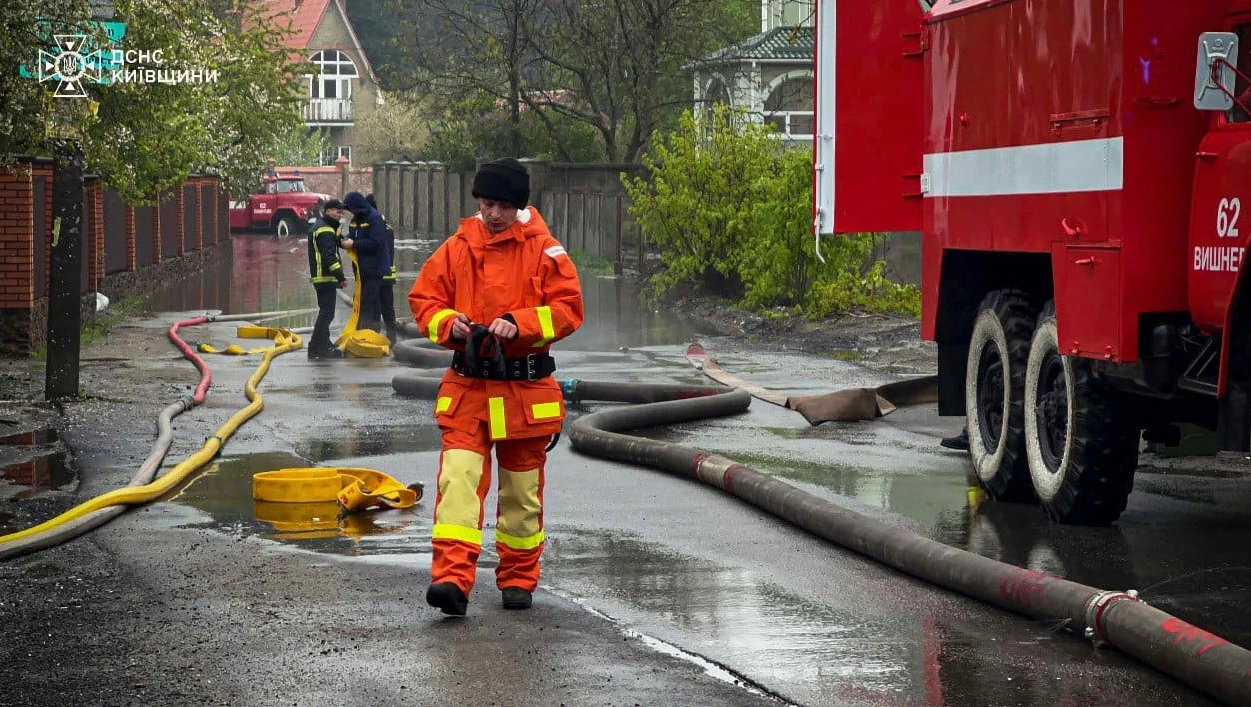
224,491
33,462
697,569
271,274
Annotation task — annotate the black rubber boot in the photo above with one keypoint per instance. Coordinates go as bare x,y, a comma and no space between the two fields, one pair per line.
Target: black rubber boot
516,598
330,352
959,442
448,598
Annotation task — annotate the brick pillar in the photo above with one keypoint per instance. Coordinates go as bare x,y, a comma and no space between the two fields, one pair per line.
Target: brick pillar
215,186
17,224
180,205
46,172
199,214
131,259
95,198
17,266
156,229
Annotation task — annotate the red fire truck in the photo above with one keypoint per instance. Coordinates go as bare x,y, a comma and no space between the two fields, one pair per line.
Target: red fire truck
284,207
1076,169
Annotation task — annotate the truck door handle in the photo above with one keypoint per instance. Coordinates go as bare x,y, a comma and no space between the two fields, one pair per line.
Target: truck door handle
1087,262
1206,155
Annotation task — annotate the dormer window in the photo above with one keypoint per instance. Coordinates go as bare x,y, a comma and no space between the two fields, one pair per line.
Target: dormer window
335,71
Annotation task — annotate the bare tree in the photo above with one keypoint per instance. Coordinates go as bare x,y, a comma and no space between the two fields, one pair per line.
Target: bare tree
617,66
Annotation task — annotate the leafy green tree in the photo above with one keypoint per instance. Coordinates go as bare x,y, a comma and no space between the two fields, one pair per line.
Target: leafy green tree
147,137
300,146
695,203
731,210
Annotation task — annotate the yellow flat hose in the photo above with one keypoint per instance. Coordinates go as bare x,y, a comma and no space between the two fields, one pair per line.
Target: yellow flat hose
353,489
363,343
284,342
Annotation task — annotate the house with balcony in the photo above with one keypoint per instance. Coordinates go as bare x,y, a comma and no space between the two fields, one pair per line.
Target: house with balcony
769,75
342,88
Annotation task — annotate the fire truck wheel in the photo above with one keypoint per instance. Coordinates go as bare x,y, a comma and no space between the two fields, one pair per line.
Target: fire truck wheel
994,391
287,226
1081,444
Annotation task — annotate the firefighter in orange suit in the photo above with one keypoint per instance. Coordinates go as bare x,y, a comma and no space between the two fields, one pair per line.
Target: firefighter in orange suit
501,281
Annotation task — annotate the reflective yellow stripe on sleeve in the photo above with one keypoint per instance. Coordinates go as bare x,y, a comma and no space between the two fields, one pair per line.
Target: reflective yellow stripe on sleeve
545,326
499,430
445,531
436,320
543,411
443,404
516,543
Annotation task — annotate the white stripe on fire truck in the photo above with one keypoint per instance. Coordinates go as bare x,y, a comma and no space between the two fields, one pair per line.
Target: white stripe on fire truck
1056,168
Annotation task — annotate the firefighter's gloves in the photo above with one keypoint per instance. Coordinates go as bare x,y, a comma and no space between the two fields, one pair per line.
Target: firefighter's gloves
504,328
484,354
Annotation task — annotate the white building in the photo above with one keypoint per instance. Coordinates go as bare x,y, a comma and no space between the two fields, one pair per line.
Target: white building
769,75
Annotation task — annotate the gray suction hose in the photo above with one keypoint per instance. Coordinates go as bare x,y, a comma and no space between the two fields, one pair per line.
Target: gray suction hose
95,519
1195,657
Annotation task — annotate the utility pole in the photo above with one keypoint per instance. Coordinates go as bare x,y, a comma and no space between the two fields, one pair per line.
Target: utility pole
61,380
65,283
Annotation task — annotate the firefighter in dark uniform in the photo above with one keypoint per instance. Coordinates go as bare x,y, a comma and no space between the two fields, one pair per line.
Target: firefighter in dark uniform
369,239
386,293
327,272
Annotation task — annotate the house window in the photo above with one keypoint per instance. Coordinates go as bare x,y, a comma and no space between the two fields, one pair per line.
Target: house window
718,94
345,151
335,71
789,107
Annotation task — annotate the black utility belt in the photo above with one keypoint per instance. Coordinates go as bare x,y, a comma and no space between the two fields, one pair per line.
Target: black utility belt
527,368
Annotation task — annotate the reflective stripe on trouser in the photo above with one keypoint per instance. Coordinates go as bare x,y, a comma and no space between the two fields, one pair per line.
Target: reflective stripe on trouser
464,480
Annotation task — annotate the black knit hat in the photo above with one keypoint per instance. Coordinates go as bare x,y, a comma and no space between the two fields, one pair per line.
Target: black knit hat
505,180
332,204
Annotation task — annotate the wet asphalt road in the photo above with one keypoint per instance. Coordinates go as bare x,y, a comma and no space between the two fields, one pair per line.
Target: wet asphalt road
655,590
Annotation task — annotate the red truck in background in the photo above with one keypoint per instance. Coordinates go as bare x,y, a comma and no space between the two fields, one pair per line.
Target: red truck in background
1077,170
283,207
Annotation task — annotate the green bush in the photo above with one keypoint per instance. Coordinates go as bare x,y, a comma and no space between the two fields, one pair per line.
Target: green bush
703,179
731,211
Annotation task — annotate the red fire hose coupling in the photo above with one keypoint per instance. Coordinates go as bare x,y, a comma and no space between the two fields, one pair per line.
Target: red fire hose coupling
1095,610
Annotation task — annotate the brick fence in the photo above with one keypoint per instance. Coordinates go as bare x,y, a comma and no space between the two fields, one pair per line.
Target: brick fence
122,244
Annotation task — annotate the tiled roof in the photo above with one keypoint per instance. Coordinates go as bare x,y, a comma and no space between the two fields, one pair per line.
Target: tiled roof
303,17
779,43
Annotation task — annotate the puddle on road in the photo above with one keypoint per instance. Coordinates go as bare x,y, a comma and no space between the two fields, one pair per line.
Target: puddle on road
372,441
47,435
32,462
784,638
224,492
810,652
46,472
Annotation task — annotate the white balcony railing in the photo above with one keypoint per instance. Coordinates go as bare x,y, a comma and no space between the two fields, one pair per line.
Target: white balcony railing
328,110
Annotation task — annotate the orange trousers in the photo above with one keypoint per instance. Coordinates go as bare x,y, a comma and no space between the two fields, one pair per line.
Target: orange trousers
464,480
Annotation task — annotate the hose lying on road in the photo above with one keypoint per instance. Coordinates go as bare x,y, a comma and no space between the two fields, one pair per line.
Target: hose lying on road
82,518
259,316
165,436
1200,659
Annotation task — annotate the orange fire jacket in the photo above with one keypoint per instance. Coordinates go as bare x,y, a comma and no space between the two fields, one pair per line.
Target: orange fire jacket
524,272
